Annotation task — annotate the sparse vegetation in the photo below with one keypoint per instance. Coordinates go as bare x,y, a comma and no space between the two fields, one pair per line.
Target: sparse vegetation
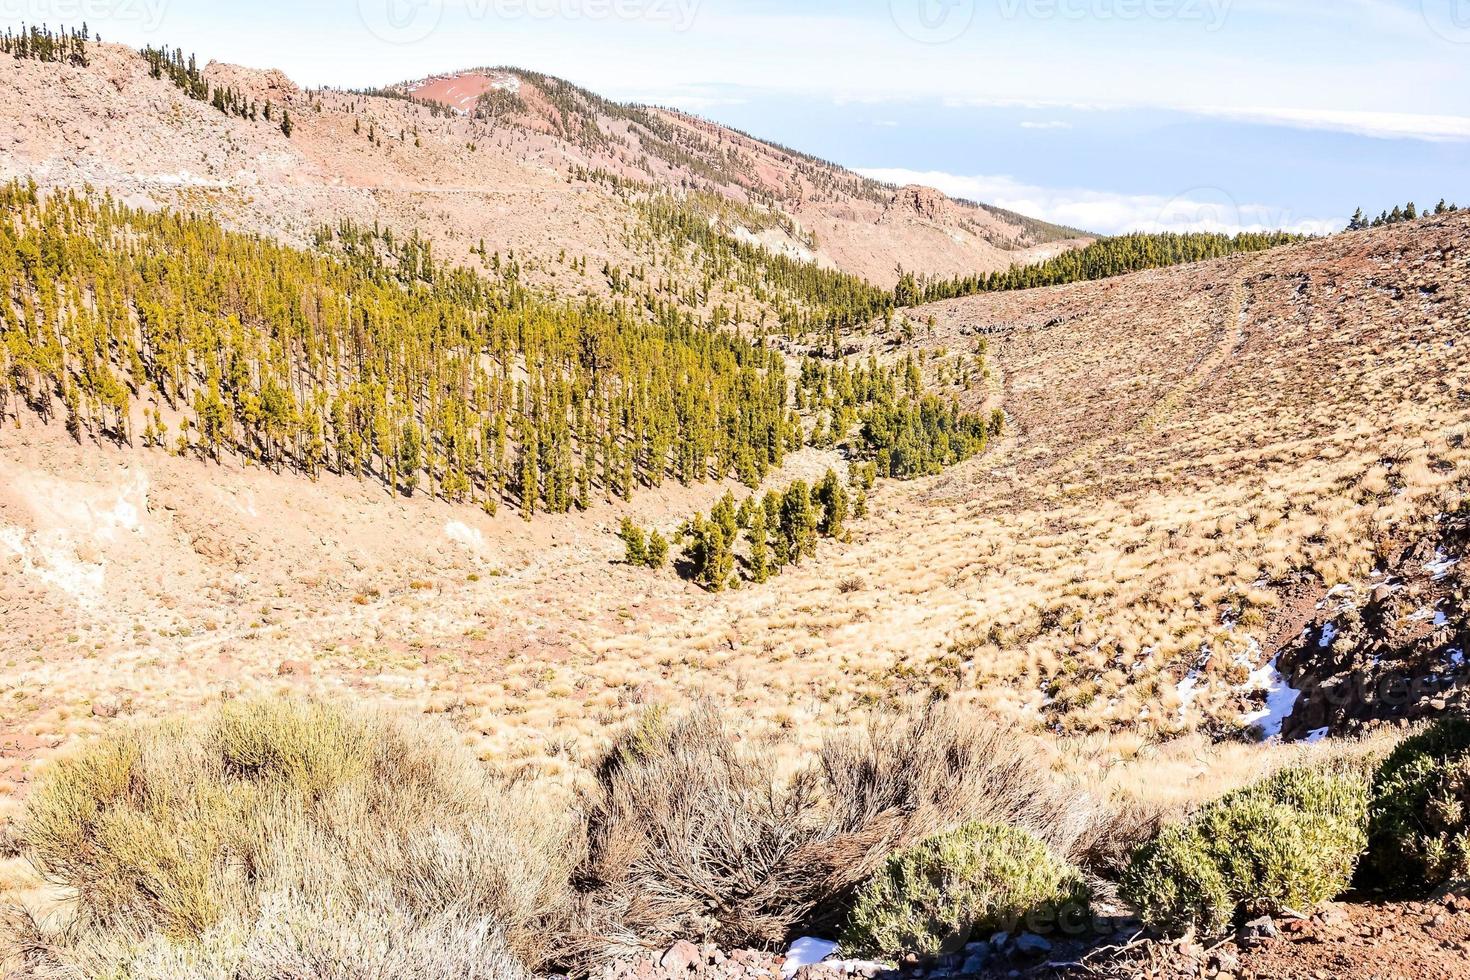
189,79
370,836
1102,259
44,44
1399,215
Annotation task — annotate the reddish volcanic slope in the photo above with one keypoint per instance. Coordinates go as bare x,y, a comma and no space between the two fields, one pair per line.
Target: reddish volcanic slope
461,92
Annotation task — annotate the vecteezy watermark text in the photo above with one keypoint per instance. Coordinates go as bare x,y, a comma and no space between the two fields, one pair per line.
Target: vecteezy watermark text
1211,13
73,13
940,21
411,21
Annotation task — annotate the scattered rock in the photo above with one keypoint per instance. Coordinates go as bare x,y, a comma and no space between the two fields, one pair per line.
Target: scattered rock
106,707
680,957
1032,945
293,668
1258,931
977,955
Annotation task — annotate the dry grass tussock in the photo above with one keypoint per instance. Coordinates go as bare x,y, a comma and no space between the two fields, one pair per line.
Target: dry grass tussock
293,838
285,838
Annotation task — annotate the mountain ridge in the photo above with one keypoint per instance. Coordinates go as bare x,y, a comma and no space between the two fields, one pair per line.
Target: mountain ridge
503,175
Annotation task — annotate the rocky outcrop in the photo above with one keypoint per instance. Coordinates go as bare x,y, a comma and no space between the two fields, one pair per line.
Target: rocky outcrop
923,202
1391,650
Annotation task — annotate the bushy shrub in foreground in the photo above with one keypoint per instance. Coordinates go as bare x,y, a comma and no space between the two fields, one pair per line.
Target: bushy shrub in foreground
981,878
1419,827
1289,841
293,838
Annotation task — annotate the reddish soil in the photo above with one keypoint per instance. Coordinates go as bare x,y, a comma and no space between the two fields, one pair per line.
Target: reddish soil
1363,941
455,91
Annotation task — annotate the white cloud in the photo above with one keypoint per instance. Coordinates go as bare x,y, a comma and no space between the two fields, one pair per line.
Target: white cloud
1111,213
690,102
1428,127
1045,124
1381,125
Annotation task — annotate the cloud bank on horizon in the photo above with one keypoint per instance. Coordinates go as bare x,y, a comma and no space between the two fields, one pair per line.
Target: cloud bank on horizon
1209,209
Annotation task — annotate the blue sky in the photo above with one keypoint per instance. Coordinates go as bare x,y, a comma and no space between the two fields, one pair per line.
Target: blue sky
1110,114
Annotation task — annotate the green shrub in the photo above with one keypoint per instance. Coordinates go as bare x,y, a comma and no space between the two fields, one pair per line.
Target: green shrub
982,877
1289,841
1419,829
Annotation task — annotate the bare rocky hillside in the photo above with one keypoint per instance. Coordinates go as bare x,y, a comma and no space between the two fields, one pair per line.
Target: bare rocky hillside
522,162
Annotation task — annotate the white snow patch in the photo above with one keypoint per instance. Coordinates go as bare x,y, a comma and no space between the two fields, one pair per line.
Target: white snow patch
1188,690
1281,700
1441,565
69,516
51,556
1316,735
773,241
461,533
806,951
1329,634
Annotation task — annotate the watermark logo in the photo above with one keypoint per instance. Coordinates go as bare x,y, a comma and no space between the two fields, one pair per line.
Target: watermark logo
1450,19
933,21
1207,209
1215,210
411,21
1212,14
147,14
942,21
401,21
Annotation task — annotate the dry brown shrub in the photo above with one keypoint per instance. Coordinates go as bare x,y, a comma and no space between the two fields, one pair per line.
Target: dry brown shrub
692,835
913,776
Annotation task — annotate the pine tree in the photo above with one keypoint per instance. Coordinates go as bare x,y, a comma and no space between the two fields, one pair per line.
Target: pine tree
658,551
709,553
758,561
286,125
832,495
635,545
798,522
410,456
780,553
